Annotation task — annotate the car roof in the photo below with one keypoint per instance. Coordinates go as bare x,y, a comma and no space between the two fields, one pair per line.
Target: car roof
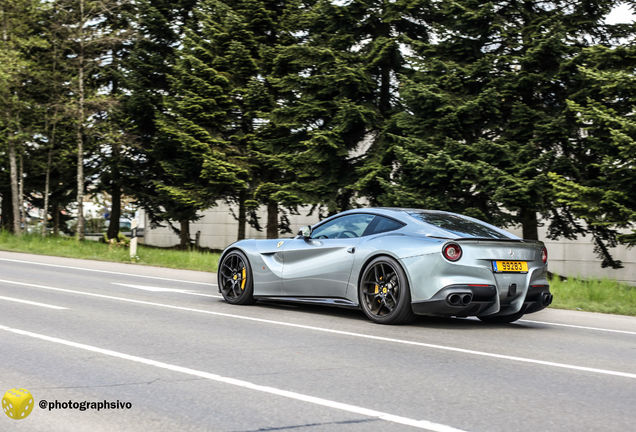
417,225
398,212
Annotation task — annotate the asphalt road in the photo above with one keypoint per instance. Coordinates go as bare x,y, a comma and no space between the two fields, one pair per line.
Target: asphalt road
164,341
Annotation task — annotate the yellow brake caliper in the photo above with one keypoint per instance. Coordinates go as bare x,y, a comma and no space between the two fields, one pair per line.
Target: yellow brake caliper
243,279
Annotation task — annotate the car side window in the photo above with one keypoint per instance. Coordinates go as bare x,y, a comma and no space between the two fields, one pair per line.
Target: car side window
349,226
383,224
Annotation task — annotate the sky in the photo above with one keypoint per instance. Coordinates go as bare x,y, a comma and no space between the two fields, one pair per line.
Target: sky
621,14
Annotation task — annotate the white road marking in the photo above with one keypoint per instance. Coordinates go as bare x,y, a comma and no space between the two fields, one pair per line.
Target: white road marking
161,289
341,332
421,424
204,295
151,288
13,299
108,272
580,327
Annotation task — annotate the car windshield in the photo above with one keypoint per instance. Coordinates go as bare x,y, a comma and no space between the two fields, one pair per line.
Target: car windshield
458,225
348,226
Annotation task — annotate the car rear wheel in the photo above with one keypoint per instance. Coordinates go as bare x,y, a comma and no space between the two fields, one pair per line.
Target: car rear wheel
235,279
502,319
384,293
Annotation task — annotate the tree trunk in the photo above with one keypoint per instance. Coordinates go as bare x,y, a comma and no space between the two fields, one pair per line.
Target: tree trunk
21,192
80,185
15,200
13,171
530,224
7,210
242,216
272,220
47,186
56,220
80,126
385,91
49,159
115,212
184,234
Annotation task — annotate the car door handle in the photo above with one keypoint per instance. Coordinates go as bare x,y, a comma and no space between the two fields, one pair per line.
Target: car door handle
351,250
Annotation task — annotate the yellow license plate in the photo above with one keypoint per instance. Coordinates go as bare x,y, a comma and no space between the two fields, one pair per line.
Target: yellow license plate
510,266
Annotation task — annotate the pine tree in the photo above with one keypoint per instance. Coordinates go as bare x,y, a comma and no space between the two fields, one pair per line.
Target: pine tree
19,35
87,50
233,152
52,151
115,139
340,80
204,125
265,143
486,113
596,188
159,27
326,105
442,139
52,79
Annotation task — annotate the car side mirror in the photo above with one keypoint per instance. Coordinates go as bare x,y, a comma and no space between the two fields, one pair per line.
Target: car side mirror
305,232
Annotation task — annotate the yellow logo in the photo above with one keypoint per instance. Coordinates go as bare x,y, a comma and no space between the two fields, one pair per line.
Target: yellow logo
17,403
280,243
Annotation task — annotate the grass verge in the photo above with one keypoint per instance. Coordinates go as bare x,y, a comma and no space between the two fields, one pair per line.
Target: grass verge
71,248
594,295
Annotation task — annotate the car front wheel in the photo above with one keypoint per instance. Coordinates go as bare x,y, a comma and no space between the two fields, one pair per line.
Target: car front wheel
235,278
384,292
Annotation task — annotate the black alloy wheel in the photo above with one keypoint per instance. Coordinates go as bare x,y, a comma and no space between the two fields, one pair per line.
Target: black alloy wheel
384,293
235,278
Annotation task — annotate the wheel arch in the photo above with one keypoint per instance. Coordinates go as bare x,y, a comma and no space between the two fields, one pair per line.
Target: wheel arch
371,258
224,254
230,249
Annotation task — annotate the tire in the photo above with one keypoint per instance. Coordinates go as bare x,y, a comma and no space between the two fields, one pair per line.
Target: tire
502,319
235,279
384,293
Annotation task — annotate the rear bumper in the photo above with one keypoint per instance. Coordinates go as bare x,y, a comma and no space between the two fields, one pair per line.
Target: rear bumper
477,300
482,297
538,297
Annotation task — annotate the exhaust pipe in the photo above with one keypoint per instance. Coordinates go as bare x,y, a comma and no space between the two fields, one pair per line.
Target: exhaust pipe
454,299
459,299
546,299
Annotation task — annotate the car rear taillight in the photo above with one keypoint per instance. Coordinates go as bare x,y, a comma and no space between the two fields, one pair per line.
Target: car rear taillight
452,252
544,255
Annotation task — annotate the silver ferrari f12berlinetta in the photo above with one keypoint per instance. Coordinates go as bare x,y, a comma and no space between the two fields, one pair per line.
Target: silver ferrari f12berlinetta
394,263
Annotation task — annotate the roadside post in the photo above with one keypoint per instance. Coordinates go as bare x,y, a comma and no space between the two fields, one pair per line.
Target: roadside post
133,239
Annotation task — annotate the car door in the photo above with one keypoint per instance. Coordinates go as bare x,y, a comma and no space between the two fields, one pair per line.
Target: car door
320,266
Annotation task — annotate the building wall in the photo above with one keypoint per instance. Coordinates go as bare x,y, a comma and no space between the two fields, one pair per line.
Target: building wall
577,258
565,257
219,228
